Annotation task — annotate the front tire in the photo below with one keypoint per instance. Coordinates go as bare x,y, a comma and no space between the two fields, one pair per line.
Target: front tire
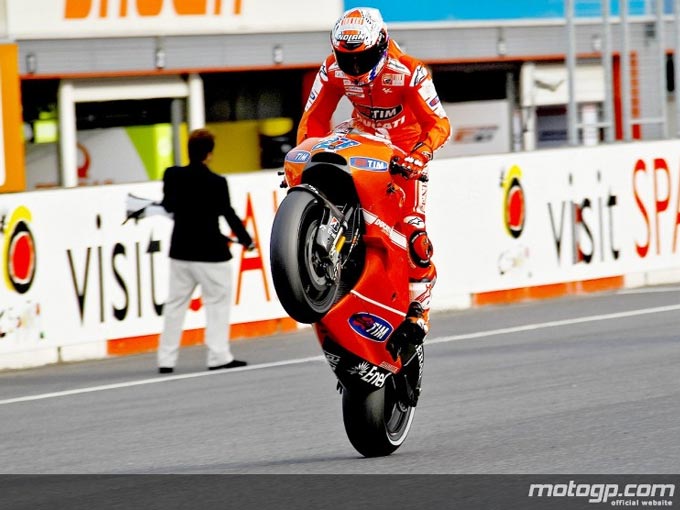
298,268
376,423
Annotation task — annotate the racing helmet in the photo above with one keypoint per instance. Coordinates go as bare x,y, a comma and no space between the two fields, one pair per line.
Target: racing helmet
359,39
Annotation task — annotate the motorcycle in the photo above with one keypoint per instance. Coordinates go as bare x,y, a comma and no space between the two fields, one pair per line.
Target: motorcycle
339,263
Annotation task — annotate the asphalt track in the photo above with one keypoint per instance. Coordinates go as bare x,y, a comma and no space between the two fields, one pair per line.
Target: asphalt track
578,385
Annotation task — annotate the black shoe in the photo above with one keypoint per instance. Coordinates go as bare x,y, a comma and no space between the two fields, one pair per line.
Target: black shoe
165,370
234,364
409,333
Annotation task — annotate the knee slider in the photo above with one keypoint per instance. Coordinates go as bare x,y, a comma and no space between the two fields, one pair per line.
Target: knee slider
420,248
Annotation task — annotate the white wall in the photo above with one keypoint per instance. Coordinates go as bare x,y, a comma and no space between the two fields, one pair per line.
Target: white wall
587,214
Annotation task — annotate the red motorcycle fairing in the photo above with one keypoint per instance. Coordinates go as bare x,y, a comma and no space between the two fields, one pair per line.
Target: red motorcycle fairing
354,332
340,261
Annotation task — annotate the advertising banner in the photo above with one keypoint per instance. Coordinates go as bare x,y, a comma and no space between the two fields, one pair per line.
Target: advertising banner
74,272
50,19
530,219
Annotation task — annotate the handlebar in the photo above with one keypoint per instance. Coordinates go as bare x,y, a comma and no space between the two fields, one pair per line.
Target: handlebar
397,169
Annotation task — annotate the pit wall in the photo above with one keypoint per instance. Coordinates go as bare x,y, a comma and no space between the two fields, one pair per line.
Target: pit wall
79,283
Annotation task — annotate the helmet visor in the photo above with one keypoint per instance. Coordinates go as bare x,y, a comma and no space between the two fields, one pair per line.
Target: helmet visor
359,63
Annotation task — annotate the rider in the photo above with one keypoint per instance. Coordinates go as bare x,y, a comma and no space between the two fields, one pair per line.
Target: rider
393,95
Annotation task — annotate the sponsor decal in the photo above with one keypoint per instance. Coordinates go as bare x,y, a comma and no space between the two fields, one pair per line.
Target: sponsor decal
22,321
369,374
373,165
397,66
19,250
421,360
336,143
371,326
383,127
515,258
514,202
658,213
388,366
475,134
419,76
380,114
361,369
393,79
351,37
298,156
332,359
79,9
415,221
584,229
395,236
429,94
316,89
353,90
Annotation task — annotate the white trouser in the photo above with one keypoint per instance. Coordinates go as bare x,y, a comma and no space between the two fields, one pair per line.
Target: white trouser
215,281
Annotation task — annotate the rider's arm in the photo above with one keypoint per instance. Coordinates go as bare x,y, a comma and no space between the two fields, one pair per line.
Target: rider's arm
323,99
427,108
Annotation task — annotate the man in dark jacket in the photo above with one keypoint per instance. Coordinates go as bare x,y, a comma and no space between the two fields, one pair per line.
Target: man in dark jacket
199,253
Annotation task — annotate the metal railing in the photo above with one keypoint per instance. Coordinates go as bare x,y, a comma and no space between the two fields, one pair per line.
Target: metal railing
643,99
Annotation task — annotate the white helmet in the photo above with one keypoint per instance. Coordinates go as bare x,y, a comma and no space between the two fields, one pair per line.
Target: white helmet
359,39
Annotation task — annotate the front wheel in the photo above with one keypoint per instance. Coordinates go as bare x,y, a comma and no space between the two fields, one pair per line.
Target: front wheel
376,423
299,269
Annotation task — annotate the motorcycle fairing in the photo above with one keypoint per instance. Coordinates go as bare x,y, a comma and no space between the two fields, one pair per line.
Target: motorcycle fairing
351,370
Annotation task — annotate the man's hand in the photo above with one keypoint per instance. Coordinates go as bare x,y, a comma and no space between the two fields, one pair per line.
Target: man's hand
413,164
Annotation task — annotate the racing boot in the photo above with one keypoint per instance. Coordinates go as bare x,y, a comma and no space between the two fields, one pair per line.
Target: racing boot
410,333
407,342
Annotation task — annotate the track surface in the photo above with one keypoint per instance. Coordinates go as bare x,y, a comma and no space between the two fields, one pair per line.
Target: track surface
578,385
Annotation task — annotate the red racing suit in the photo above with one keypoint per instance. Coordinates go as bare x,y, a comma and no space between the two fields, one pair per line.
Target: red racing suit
402,104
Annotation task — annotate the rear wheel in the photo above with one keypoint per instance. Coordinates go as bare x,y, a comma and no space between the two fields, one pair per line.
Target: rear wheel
376,423
299,269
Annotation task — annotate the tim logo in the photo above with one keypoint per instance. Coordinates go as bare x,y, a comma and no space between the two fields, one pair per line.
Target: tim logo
18,250
371,326
380,113
374,165
298,156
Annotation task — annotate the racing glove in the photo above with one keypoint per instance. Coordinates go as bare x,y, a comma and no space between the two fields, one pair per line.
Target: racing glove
413,164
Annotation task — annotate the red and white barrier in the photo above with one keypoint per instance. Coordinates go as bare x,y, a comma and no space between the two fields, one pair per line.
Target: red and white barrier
77,283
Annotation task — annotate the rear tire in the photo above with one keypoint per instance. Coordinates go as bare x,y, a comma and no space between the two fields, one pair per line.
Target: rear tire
300,280
376,423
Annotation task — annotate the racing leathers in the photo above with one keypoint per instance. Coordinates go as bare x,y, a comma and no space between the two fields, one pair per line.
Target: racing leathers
401,103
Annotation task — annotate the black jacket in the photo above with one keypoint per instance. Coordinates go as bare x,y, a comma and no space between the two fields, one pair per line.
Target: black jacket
198,197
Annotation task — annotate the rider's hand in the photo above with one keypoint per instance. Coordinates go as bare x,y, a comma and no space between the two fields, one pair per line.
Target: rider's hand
415,162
